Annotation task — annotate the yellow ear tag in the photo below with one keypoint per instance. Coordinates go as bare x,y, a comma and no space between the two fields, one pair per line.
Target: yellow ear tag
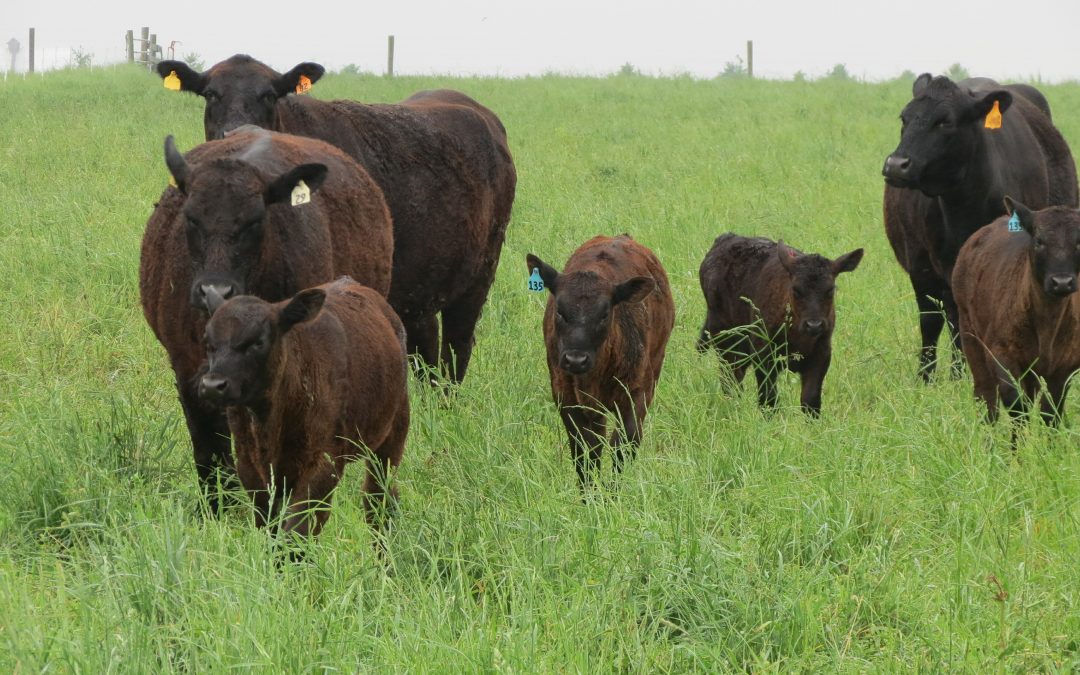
301,194
304,85
993,118
172,181
172,82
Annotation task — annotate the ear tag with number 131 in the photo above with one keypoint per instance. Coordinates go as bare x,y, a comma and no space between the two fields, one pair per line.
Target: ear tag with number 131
535,282
1014,223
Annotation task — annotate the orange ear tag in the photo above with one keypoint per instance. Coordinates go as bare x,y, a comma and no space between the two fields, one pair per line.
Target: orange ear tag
304,85
172,82
993,118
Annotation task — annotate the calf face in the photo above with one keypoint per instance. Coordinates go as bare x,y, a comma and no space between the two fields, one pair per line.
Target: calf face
239,90
583,305
225,215
1054,252
813,283
940,128
241,341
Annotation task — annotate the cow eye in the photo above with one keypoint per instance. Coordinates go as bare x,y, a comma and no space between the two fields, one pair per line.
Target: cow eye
192,224
210,95
559,317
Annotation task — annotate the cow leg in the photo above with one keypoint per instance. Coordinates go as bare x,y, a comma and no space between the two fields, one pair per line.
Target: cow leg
459,321
381,498
952,320
211,444
422,339
983,373
309,500
733,354
586,431
766,374
1053,402
813,376
627,436
929,296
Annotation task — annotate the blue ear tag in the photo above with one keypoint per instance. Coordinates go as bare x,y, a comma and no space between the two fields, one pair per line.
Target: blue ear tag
1014,223
535,282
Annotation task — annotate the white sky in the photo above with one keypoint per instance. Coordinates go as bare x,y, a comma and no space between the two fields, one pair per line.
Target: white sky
874,39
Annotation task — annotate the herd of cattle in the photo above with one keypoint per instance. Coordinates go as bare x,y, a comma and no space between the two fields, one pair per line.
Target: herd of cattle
308,248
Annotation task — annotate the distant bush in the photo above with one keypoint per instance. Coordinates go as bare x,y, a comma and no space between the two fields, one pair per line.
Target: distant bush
80,58
194,60
353,69
799,76
839,72
957,72
736,68
627,69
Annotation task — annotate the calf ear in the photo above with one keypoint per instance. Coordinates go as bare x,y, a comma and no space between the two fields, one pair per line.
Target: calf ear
633,290
548,273
177,165
189,79
304,306
1023,213
984,104
286,84
920,84
281,188
847,262
786,255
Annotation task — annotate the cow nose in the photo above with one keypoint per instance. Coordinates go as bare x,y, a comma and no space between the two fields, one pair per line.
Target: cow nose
896,167
1062,284
814,327
575,362
214,295
212,388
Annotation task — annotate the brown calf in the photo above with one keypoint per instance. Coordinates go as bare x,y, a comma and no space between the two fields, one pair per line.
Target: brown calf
309,384
782,302
606,326
1019,309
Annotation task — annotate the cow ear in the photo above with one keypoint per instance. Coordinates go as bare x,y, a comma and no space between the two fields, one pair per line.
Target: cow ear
983,105
189,79
177,165
786,256
633,290
847,262
549,274
921,84
282,187
304,306
286,84
1023,214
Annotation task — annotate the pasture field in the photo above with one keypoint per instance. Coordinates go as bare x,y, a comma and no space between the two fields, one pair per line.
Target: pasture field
896,533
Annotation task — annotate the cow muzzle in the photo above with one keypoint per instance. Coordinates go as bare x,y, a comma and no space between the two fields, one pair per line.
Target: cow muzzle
1061,285
813,327
208,297
576,362
897,170
214,389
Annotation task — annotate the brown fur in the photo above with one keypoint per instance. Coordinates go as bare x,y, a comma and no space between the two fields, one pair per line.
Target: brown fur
336,390
1012,330
628,361
747,286
444,164
345,229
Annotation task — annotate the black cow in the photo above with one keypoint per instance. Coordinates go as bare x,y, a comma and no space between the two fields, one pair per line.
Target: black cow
949,174
442,161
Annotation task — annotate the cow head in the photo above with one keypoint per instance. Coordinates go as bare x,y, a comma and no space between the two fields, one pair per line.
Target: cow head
1055,245
242,345
583,306
941,126
225,215
239,90
813,283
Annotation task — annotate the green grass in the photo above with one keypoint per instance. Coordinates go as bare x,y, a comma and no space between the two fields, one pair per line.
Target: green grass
896,533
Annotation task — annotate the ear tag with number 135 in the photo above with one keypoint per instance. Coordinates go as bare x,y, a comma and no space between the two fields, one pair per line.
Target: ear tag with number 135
1014,223
535,282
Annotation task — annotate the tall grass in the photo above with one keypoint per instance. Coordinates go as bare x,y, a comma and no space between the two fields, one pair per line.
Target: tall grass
897,532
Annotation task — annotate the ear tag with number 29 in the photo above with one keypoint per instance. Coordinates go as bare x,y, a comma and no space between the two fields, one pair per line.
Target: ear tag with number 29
535,282
1014,223
301,194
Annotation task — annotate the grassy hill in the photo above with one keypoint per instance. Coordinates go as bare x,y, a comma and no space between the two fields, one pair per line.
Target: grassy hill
897,532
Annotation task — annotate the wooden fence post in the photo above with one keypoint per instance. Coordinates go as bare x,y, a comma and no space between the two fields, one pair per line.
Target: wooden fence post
145,33
390,56
129,41
31,53
152,51
750,58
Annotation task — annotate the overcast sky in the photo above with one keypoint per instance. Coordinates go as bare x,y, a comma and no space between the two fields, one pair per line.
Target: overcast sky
874,39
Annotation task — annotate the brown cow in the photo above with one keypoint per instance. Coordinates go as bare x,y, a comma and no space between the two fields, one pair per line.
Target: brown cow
1019,309
606,326
769,303
230,228
440,157
310,383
